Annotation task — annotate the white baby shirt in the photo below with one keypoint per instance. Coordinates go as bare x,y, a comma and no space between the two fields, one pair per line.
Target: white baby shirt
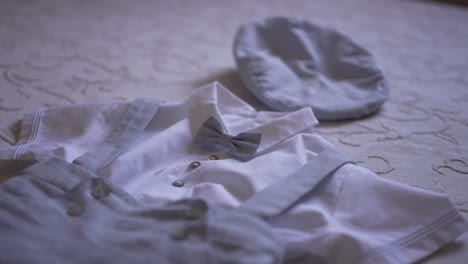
352,217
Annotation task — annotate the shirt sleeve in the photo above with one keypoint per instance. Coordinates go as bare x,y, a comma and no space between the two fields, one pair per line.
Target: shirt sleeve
357,217
64,131
391,222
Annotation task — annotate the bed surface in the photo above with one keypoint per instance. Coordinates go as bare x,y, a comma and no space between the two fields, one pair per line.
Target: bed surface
63,52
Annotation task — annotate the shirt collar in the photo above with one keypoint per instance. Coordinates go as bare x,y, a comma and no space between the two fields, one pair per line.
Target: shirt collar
236,116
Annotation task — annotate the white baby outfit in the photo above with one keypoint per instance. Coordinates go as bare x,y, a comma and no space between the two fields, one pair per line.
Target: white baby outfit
353,216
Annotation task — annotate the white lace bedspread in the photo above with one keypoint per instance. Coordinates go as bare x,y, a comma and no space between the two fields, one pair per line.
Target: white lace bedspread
64,52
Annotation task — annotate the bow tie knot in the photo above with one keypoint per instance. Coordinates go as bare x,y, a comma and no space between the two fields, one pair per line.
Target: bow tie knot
242,146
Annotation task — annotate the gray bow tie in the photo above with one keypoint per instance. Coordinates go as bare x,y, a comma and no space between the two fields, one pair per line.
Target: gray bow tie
242,146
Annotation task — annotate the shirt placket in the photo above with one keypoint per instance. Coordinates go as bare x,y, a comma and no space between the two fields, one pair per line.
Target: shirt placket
184,174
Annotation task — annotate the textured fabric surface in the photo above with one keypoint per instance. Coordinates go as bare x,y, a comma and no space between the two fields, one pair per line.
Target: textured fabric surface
63,52
289,63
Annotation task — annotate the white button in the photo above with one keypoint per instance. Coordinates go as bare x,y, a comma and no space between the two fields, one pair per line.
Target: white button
195,164
197,209
213,157
178,183
75,209
100,191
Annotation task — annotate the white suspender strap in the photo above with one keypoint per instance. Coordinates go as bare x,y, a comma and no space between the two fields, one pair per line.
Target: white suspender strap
283,194
137,117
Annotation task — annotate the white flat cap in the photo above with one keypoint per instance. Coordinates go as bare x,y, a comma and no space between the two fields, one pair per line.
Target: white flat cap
289,63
